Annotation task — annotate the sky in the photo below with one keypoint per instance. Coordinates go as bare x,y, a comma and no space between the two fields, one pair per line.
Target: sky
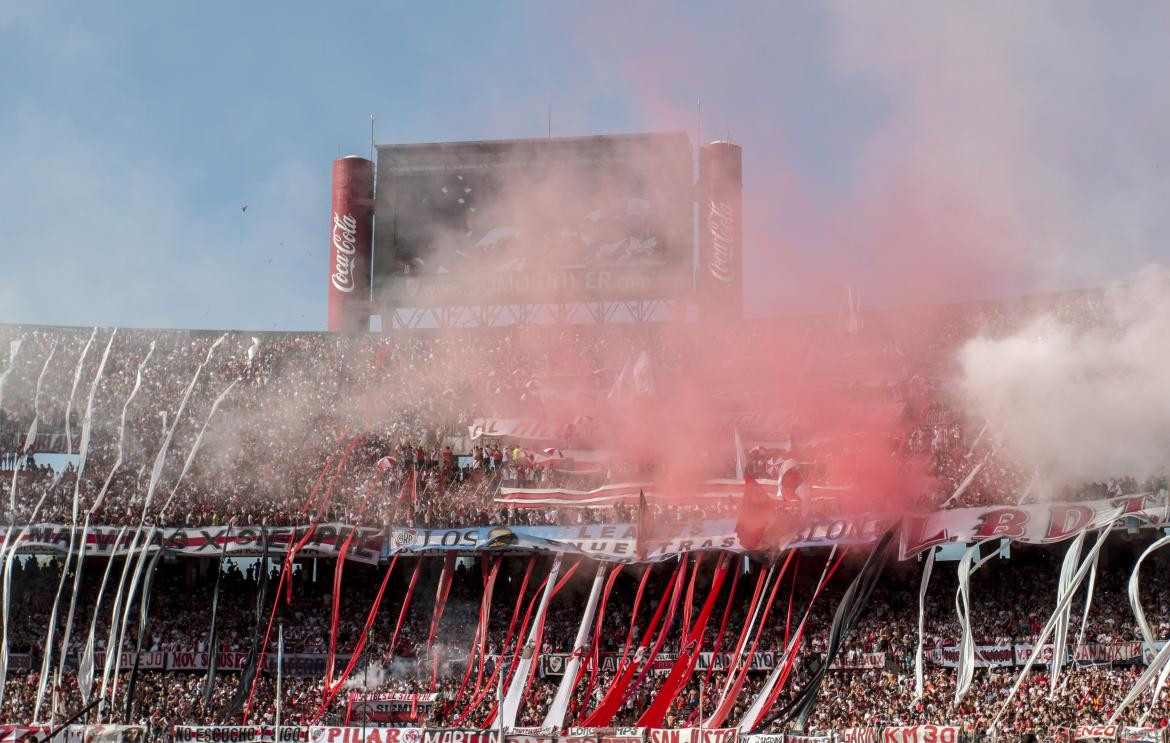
917,152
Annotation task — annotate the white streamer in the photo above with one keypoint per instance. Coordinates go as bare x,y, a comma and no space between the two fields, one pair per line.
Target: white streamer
1135,590
511,704
560,703
85,665
919,676
13,349
82,454
1047,630
1064,588
965,673
9,548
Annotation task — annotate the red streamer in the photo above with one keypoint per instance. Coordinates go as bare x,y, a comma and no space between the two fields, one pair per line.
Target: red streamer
361,643
688,658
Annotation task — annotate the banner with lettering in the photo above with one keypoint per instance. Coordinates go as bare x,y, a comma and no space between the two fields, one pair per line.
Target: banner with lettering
238,734
1091,732
456,735
858,735
389,707
921,734
553,664
693,735
986,656
341,734
1141,735
856,660
1036,523
207,541
808,738
105,734
148,660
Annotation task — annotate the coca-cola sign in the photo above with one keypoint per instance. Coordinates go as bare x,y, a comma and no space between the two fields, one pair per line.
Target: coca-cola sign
344,251
721,226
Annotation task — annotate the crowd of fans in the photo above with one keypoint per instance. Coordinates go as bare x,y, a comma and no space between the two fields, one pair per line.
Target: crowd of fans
197,429
385,424
1012,599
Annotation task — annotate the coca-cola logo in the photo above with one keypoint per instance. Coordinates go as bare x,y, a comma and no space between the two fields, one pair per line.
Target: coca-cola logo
721,227
344,251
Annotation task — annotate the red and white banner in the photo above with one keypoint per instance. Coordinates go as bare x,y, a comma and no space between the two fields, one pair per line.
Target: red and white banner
380,707
986,656
338,734
1039,523
208,541
31,733
148,660
237,734
1108,653
1090,732
858,660
1140,735
693,735
454,735
921,734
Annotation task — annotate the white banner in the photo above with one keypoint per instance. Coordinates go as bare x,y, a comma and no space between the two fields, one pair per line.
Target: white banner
693,735
238,734
921,734
1140,735
1039,523
331,734
986,656
858,735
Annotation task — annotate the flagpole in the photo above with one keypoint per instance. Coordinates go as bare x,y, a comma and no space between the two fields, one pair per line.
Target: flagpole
279,670
500,701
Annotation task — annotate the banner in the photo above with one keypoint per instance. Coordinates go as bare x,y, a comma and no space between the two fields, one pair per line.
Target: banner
693,735
921,734
151,660
389,707
105,734
1038,523
1140,735
237,734
854,660
808,738
459,736
331,734
858,735
1109,653
553,664
986,656
1091,732
207,541
30,733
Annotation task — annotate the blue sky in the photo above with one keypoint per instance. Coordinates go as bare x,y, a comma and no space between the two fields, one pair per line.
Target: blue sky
883,142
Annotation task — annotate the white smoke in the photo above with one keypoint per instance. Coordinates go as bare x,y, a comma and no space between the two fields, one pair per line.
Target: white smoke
1081,399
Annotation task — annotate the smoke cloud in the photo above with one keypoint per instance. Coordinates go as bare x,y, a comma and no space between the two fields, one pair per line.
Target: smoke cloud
1081,398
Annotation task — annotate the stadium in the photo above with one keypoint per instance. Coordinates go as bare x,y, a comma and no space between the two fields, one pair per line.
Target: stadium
525,508
661,373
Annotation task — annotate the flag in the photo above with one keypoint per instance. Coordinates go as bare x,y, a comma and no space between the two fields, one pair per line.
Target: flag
644,376
793,487
642,528
756,511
